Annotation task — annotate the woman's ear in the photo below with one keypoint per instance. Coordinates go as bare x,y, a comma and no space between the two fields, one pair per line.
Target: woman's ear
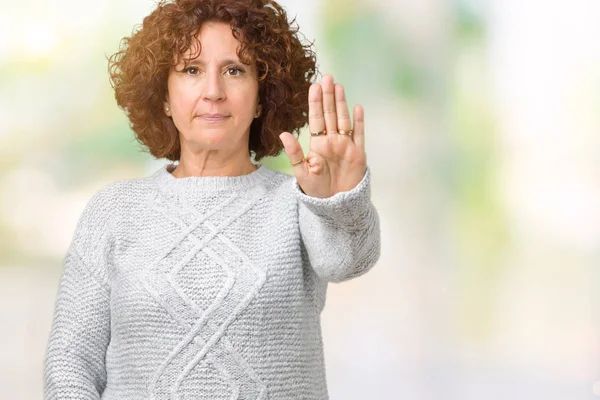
167,107
258,111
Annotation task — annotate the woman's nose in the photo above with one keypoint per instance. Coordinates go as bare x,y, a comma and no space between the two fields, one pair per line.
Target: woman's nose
213,88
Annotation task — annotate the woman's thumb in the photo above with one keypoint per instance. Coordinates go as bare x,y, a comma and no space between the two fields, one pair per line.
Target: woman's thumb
294,152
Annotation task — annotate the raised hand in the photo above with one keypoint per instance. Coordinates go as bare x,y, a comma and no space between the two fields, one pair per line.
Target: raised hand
336,161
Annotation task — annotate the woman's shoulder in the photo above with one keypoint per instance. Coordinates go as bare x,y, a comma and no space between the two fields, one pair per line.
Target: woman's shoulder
121,191
280,184
277,177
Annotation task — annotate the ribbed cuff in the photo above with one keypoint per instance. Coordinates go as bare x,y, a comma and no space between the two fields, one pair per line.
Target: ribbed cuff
344,207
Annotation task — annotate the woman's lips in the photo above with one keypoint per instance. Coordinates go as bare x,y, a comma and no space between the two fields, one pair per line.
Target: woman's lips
214,118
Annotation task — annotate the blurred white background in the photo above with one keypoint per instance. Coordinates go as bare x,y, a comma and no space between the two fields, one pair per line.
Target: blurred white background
483,135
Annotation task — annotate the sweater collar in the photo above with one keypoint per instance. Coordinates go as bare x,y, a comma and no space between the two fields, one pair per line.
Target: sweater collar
170,184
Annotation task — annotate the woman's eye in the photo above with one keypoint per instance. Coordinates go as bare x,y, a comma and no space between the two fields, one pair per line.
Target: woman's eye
234,70
231,71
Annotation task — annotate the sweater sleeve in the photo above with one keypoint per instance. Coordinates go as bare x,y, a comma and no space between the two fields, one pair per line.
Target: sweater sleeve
74,365
341,233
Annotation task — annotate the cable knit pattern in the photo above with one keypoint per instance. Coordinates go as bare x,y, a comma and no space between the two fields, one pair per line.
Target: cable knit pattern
204,288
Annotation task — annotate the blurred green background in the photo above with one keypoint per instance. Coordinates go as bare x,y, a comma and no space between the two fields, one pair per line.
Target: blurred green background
483,138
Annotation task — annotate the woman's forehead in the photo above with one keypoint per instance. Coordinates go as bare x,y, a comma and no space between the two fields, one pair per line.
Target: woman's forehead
203,54
215,39
202,58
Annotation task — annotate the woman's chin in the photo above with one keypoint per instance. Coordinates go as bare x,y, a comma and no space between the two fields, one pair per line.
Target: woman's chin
211,142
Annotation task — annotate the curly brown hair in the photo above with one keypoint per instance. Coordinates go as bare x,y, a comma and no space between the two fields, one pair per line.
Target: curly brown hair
286,66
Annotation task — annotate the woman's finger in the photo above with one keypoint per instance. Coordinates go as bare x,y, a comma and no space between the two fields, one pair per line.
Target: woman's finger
359,126
341,107
329,105
316,120
293,149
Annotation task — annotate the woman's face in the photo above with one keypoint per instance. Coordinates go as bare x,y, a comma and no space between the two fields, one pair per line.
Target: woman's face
215,98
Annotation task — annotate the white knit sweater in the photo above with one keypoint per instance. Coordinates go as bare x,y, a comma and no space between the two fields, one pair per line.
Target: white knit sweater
204,288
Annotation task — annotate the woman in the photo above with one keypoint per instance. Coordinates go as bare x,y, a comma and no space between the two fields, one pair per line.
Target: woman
206,280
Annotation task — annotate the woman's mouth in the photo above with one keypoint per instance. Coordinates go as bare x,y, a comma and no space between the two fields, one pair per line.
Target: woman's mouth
213,117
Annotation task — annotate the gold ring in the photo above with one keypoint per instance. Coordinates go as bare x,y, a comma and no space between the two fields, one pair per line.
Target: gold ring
349,133
318,133
298,162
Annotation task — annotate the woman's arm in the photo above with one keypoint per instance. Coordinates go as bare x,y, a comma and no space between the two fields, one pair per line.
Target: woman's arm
74,365
341,233
338,222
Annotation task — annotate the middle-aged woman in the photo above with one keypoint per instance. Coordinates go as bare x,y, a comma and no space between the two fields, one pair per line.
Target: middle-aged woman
207,278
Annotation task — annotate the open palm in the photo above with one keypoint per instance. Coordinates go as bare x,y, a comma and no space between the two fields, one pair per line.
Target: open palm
335,162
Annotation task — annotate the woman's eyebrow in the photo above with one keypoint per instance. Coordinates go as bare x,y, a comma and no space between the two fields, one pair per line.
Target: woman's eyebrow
224,62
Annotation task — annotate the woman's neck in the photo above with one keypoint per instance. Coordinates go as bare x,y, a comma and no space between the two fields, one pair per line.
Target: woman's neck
185,169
